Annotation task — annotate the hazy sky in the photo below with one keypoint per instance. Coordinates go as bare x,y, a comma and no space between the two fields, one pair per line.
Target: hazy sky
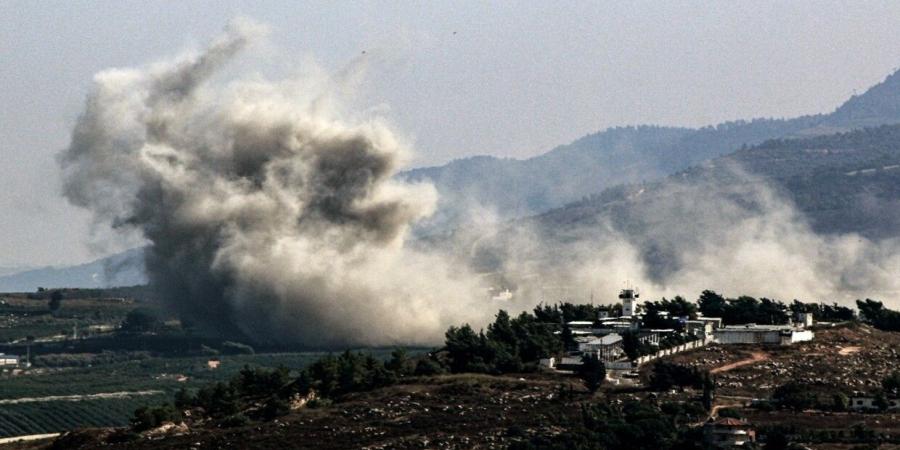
458,78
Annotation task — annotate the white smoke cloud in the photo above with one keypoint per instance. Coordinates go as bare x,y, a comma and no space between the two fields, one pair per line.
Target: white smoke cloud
739,238
268,213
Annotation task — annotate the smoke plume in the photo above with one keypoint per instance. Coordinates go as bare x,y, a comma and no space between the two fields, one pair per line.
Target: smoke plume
272,214
733,233
268,213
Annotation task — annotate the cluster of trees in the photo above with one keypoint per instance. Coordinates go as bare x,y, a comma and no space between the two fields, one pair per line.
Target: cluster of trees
677,307
878,316
141,320
263,394
252,393
567,312
743,309
509,345
823,312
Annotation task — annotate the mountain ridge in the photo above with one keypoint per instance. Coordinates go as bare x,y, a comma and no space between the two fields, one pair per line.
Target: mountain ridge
512,188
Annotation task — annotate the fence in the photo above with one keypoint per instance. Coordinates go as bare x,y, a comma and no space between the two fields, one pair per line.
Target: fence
671,351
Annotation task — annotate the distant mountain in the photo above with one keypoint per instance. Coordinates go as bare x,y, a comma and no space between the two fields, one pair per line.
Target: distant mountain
839,184
842,183
512,187
122,269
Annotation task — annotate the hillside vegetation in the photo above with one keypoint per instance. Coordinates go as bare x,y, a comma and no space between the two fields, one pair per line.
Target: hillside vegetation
513,187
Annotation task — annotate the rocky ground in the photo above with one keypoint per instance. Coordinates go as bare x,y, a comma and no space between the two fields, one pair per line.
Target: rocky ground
454,411
851,358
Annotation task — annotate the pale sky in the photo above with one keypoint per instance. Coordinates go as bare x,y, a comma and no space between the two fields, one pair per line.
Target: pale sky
462,78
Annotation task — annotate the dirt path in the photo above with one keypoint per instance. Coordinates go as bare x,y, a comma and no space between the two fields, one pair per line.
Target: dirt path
30,437
76,398
754,358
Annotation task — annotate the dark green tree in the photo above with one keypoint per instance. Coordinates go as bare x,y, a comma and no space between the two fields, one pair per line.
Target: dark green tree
141,320
55,301
592,372
712,304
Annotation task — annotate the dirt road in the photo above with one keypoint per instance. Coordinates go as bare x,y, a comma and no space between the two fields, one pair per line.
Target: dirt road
76,398
754,358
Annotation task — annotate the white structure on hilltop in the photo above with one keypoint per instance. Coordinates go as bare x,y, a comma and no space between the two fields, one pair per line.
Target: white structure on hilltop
8,360
762,334
629,302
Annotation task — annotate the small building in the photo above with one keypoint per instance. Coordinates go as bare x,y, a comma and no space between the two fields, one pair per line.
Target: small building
715,322
629,299
608,348
861,402
504,295
8,361
699,328
728,433
761,334
804,319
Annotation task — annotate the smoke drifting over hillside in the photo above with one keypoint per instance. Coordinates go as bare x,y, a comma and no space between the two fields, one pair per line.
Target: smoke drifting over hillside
268,213
272,214
733,233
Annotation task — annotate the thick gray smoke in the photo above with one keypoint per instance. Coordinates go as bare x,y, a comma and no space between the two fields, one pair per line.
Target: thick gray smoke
738,237
272,214
268,213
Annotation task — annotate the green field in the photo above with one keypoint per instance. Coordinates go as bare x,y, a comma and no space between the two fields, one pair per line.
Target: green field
106,362
51,417
150,374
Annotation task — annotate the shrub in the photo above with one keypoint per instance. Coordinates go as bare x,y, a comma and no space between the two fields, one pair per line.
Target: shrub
146,418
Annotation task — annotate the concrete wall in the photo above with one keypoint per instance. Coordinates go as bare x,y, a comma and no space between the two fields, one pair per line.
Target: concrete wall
671,351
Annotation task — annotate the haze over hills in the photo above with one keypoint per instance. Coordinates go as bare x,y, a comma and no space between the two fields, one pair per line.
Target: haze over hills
841,183
801,217
513,188
121,269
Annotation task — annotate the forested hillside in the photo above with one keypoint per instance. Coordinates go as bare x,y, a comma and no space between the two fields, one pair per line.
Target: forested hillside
513,188
846,182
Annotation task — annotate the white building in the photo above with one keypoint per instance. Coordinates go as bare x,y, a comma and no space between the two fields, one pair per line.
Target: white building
700,328
728,433
8,360
608,348
865,403
804,319
629,302
761,334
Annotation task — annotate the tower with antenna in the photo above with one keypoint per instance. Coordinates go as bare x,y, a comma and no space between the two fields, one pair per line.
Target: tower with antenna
629,297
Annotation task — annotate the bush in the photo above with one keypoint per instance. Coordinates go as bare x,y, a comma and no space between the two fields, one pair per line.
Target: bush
146,418
667,375
141,320
592,372
429,366
234,420
795,396
275,407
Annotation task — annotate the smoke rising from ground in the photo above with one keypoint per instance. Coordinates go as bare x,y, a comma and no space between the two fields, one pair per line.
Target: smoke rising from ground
272,214
681,237
268,213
